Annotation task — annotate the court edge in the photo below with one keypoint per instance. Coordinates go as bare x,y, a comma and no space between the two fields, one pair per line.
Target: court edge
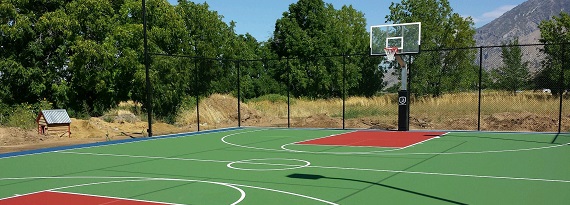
97,144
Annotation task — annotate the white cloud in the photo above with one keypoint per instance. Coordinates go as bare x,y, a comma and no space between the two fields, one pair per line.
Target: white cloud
497,12
491,15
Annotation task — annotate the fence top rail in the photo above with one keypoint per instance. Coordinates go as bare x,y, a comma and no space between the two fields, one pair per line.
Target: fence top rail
353,54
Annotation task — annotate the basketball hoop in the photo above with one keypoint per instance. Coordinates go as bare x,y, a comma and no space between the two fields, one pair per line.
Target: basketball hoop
391,53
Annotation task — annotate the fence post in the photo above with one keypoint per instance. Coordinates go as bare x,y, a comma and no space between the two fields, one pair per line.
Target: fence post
561,84
480,88
238,93
196,79
288,94
343,89
146,65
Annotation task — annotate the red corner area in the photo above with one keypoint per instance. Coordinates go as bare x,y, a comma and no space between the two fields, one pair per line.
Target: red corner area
386,139
53,198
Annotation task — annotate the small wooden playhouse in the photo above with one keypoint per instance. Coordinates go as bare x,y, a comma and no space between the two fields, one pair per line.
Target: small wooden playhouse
57,122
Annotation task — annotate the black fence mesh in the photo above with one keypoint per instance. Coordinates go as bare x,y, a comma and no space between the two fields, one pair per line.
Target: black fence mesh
502,88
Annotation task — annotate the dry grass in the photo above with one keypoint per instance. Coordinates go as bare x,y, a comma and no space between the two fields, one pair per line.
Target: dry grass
214,110
426,112
217,107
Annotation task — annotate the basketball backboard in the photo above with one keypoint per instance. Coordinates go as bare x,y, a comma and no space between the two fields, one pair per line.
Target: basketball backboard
406,36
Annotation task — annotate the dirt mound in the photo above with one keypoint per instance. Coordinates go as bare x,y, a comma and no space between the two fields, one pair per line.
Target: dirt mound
18,136
82,131
524,121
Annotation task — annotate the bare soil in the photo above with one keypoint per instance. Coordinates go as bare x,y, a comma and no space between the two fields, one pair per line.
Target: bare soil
82,131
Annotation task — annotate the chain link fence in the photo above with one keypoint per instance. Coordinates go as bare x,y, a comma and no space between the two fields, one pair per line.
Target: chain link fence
502,88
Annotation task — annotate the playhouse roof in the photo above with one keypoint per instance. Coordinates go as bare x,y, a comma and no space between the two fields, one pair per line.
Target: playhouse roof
58,116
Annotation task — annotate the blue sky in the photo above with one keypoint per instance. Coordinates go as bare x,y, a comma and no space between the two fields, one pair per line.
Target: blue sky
258,17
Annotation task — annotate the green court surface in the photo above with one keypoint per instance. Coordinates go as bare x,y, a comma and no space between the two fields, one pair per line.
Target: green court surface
268,166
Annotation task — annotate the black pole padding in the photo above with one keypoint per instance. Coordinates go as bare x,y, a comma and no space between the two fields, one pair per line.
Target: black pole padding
403,110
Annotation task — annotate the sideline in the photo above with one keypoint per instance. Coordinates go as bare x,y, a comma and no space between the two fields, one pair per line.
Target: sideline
105,143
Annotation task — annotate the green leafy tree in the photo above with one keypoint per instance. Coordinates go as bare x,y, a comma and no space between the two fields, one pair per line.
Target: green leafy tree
91,79
26,62
444,71
258,68
169,76
316,35
555,33
363,76
514,74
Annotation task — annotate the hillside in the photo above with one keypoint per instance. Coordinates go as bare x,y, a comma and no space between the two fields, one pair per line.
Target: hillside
521,21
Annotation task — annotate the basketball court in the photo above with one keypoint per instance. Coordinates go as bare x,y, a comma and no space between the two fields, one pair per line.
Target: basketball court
296,166
301,166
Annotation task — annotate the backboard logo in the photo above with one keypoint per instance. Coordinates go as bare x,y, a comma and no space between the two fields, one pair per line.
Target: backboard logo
402,100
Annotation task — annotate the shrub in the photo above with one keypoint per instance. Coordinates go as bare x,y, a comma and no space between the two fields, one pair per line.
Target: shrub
4,110
22,116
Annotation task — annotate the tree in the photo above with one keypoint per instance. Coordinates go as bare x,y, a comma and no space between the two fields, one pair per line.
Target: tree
28,55
318,38
436,72
258,68
555,33
514,74
87,55
92,72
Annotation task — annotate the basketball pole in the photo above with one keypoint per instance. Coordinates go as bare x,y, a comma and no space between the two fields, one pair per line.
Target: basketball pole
403,98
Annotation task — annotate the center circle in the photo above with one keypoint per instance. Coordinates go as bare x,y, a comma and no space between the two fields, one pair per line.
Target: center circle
270,164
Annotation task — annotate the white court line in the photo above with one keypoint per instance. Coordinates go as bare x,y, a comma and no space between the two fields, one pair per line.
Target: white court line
241,198
368,169
318,138
144,157
136,179
110,197
381,152
437,137
19,195
249,161
247,147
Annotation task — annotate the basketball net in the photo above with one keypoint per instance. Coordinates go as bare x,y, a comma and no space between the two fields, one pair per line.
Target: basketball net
391,53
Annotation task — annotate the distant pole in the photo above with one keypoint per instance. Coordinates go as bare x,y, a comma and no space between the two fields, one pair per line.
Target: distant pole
146,66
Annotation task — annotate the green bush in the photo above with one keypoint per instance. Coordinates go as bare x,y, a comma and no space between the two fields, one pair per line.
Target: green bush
4,110
43,105
22,116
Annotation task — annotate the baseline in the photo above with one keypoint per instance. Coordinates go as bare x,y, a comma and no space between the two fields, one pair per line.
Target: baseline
284,148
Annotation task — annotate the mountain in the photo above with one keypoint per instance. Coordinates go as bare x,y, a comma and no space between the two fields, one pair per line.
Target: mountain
521,21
